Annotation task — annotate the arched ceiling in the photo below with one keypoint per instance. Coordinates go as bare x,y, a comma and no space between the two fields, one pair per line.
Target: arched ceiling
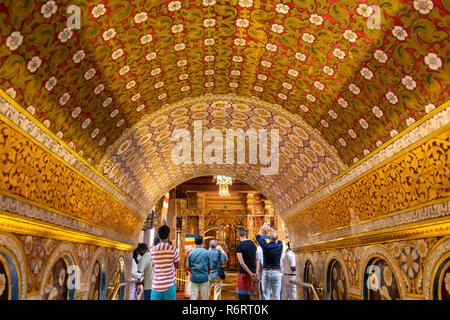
141,163
357,87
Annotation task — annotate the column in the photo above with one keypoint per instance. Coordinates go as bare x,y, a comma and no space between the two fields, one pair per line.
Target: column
171,217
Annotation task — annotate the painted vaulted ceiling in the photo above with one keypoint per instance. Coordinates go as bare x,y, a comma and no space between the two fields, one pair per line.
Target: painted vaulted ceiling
356,84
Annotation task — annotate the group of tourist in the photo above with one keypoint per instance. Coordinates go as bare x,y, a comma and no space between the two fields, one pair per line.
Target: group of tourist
157,268
262,272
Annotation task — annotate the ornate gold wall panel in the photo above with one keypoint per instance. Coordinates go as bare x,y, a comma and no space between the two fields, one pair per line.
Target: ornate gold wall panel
33,175
414,178
34,257
22,225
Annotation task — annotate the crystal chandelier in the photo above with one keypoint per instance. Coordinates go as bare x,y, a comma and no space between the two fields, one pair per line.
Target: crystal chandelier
223,182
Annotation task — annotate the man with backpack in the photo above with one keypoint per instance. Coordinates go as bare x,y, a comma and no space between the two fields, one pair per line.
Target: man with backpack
217,273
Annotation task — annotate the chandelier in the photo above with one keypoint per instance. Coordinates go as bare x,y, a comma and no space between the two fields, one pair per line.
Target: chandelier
223,182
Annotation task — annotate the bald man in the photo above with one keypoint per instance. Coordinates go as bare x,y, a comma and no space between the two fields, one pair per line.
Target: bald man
271,274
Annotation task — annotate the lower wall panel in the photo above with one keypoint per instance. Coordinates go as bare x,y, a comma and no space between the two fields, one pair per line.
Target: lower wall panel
412,269
41,268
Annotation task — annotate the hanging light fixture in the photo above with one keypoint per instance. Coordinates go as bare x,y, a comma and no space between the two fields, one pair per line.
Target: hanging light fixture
223,182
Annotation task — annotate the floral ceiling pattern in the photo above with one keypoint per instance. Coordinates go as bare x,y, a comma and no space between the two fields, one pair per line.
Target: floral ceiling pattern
357,85
138,161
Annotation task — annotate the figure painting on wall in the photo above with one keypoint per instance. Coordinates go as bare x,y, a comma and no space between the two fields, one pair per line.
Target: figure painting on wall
4,289
95,285
56,282
385,285
336,282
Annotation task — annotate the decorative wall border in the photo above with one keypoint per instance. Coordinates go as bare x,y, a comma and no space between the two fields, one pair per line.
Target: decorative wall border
434,121
10,242
23,225
27,125
15,206
405,223
422,229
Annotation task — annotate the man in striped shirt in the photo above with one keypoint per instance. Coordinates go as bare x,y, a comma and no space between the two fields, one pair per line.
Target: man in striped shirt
164,257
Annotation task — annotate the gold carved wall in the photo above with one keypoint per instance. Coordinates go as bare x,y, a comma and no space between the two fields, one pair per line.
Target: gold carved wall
31,174
416,177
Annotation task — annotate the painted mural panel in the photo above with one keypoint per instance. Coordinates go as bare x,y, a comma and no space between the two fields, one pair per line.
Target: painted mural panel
56,283
4,287
445,285
337,285
384,285
96,282
309,278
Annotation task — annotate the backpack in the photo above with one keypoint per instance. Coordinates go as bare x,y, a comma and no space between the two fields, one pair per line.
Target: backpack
222,272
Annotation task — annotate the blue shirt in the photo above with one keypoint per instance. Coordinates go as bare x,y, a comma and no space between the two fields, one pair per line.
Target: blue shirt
214,254
198,261
271,252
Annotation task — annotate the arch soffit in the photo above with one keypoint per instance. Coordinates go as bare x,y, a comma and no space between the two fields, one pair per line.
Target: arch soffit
120,159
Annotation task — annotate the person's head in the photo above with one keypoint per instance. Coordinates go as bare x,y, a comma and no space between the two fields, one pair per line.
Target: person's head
273,236
213,244
143,248
136,254
163,233
156,240
242,233
289,245
198,240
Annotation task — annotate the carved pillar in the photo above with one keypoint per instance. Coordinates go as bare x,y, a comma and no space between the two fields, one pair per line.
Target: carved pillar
171,217
201,224
157,219
250,216
183,235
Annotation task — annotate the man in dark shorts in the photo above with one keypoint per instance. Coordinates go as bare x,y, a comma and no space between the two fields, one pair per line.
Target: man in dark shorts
248,260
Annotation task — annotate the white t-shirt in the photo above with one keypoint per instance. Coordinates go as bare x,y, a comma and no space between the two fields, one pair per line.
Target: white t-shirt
259,251
134,270
288,261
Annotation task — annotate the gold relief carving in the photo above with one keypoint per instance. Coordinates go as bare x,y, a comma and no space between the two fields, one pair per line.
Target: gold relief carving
418,177
429,228
30,174
22,225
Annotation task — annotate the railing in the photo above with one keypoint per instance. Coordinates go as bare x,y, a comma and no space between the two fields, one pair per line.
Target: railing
180,278
307,285
117,285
